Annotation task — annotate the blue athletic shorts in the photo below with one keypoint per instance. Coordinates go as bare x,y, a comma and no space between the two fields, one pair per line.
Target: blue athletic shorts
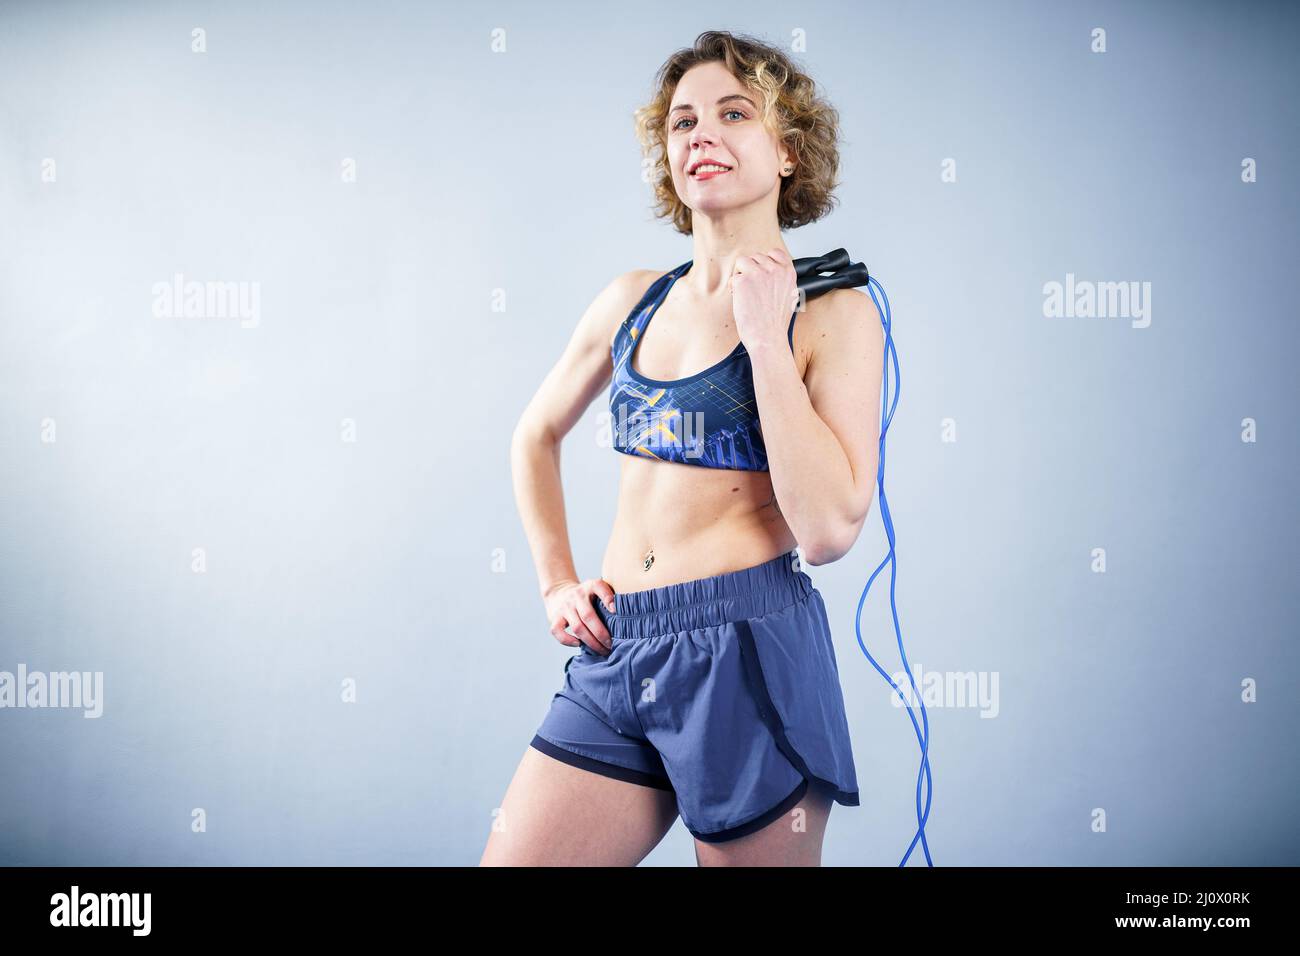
724,690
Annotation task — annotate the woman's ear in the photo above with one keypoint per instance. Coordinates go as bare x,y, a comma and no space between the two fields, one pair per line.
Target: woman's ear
787,162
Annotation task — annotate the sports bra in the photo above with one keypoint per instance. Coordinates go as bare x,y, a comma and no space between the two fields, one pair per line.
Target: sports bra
709,418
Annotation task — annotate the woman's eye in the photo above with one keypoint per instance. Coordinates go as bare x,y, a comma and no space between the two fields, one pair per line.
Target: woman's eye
678,124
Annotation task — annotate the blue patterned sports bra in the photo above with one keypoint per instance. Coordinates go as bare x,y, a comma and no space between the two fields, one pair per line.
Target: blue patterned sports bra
709,419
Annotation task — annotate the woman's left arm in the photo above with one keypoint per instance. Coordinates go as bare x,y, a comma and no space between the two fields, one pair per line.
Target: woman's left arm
822,433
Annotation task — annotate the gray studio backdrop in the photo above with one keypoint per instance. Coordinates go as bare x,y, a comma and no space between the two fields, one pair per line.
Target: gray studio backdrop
279,525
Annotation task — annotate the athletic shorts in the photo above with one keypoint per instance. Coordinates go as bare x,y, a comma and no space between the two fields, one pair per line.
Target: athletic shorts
723,690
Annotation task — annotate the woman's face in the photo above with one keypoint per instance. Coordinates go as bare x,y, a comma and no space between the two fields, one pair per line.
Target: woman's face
712,116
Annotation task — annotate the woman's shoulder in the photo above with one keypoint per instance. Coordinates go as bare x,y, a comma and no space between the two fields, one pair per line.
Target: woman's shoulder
631,286
626,292
642,278
840,306
836,320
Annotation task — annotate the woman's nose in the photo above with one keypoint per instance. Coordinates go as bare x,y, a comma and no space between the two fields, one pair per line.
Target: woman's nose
700,136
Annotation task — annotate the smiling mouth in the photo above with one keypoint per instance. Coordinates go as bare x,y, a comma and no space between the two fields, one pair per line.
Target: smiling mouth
713,168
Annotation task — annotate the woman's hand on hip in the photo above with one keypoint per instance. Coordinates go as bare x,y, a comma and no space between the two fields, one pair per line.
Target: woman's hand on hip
568,605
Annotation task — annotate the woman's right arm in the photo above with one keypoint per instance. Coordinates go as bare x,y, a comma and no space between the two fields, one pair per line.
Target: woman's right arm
582,372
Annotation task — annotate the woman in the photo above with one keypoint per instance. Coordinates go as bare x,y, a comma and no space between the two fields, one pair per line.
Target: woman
706,683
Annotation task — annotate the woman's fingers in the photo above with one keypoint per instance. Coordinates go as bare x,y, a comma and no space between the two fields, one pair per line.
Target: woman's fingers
581,632
560,634
604,592
593,628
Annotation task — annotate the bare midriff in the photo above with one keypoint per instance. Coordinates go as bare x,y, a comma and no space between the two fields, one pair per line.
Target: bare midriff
678,522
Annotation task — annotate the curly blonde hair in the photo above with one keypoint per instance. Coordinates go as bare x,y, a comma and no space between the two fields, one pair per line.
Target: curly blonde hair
791,108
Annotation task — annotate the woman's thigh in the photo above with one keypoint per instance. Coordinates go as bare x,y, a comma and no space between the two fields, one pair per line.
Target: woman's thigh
554,814
794,839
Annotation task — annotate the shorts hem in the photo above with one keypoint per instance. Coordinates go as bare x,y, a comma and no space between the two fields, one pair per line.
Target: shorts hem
602,767
758,822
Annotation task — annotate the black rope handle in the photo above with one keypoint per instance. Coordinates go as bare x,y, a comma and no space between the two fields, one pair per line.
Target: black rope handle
843,274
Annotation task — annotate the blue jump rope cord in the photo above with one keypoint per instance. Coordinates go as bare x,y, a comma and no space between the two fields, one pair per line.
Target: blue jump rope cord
923,738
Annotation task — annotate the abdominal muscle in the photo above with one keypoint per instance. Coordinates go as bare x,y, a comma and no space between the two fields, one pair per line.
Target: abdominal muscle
696,522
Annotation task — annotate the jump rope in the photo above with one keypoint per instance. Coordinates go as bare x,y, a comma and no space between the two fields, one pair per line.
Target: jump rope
843,274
